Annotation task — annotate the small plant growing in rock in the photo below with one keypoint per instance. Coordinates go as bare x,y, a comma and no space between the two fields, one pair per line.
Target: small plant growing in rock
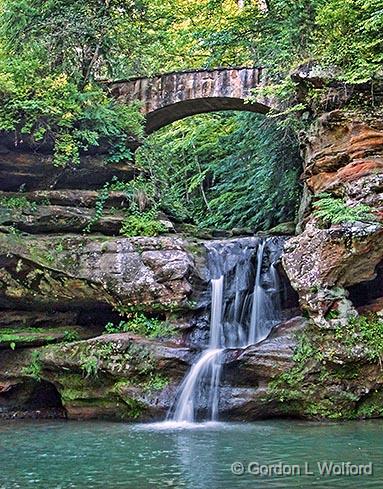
141,218
70,336
142,358
35,367
333,210
102,198
134,406
18,203
140,324
89,365
156,382
333,314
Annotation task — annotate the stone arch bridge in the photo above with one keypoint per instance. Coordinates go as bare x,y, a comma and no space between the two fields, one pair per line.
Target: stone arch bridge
173,96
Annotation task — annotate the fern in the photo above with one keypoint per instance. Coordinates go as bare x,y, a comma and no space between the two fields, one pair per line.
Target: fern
333,210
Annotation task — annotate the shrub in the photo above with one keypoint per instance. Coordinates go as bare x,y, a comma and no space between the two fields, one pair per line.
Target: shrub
141,218
89,365
70,336
156,382
225,171
54,111
142,224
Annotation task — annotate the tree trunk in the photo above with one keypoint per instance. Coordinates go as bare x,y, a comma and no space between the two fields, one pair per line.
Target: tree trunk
263,7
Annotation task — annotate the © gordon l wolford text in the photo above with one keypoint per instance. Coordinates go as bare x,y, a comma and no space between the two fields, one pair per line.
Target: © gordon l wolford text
320,468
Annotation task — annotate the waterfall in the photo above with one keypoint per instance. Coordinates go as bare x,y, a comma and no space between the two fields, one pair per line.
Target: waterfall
256,330
265,311
216,312
245,305
185,407
208,365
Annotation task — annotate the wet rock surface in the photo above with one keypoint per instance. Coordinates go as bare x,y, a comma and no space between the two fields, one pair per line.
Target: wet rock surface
118,376
80,271
262,362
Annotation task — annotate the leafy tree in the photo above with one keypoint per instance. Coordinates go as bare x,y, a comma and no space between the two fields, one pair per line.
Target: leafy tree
225,170
179,159
83,39
345,35
350,38
50,53
220,170
257,182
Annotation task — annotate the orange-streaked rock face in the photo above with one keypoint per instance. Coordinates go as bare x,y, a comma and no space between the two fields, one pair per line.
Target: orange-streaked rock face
340,151
353,171
344,158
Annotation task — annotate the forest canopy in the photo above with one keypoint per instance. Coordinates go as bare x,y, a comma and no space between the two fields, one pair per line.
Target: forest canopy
235,169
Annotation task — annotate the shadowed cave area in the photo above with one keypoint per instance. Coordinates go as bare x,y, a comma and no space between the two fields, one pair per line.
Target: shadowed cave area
368,293
31,399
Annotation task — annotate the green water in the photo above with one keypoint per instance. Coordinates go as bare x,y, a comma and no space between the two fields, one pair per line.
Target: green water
106,455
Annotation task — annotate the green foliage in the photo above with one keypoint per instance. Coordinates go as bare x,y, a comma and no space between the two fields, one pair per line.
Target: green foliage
225,171
35,366
142,358
111,328
257,184
49,55
53,111
97,39
141,213
217,170
366,331
25,335
350,37
140,192
17,203
333,314
93,356
103,196
156,382
142,224
140,324
343,35
287,385
333,210
306,385
134,406
89,365
305,350
179,158
70,336
372,406
274,40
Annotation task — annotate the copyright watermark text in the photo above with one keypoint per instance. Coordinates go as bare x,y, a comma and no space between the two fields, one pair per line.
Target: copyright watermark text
320,468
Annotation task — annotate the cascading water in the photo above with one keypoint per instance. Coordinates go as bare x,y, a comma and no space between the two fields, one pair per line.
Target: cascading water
208,365
245,305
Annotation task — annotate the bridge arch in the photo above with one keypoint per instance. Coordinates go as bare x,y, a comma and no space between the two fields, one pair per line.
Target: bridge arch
173,96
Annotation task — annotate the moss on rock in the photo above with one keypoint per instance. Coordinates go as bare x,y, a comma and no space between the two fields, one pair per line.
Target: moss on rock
333,372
